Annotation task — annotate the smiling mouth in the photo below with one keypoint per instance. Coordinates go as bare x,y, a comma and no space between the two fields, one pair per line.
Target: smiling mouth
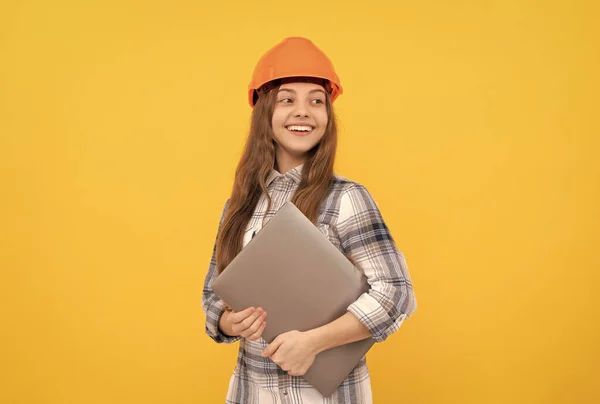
300,130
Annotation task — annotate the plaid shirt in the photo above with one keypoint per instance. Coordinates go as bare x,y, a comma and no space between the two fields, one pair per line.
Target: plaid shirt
351,220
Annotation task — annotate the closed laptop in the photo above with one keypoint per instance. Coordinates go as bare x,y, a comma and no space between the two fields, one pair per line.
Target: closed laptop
302,281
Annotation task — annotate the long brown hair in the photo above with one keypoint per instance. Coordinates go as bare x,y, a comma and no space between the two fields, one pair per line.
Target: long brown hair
258,158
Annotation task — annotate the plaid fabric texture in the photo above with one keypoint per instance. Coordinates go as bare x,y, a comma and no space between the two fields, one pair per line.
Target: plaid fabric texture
351,220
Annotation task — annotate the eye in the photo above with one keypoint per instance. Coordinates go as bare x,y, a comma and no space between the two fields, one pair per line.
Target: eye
286,100
317,101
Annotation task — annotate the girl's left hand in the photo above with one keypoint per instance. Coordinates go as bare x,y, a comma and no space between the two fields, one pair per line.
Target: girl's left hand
292,351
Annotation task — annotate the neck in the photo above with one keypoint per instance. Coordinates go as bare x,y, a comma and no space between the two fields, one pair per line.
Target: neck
285,162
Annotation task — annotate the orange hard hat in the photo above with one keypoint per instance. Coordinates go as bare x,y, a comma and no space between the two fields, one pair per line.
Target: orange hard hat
294,57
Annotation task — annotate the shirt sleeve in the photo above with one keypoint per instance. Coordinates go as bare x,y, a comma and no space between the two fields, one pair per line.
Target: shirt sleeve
212,305
365,237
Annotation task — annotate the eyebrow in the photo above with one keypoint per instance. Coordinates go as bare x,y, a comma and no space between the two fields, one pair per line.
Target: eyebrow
294,91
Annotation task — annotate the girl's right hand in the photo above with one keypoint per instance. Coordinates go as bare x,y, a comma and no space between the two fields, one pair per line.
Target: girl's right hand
249,323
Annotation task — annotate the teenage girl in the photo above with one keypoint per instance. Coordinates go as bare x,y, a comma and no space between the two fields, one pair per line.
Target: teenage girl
289,155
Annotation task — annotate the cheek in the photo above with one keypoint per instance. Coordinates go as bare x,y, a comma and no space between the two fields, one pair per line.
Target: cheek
278,119
322,119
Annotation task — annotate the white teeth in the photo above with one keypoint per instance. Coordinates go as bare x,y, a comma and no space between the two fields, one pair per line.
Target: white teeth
300,128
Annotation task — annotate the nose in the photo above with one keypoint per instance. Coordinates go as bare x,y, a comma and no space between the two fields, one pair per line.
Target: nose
300,111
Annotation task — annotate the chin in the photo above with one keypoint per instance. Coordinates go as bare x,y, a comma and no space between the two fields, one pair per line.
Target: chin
296,148
297,152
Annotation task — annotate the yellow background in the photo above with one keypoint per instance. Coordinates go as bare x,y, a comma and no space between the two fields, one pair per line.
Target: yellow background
474,124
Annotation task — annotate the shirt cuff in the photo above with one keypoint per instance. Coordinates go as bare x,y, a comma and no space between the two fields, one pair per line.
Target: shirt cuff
213,316
374,317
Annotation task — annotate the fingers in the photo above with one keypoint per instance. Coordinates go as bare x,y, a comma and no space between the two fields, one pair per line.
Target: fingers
275,359
239,316
248,322
256,326
273,346
251,319
258,332
286,366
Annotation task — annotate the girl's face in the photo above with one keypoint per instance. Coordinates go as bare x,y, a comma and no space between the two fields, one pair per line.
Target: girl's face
299,117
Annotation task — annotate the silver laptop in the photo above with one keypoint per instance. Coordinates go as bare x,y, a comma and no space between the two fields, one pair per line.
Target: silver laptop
302,281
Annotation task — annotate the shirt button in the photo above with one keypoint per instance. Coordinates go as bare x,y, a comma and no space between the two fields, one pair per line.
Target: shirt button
285,392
